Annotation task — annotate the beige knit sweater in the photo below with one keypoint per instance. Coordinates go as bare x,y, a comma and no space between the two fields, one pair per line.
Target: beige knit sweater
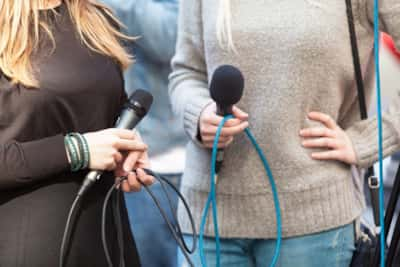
296,57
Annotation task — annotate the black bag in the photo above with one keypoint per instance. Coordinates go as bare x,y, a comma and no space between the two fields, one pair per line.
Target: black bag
366,246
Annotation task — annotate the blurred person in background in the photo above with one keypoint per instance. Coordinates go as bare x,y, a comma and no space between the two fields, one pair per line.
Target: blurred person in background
154,23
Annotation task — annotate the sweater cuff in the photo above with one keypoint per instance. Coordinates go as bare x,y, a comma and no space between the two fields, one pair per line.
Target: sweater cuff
364,136
45,156
191,118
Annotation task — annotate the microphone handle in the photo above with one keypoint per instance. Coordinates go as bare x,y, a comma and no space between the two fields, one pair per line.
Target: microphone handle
221,111
128,120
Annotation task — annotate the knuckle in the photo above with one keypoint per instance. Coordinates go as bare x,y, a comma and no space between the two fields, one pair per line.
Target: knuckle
206,117
114,153
113,141
205,129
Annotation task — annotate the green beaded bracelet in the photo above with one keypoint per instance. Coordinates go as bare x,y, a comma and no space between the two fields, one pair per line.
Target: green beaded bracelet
83,149
76,159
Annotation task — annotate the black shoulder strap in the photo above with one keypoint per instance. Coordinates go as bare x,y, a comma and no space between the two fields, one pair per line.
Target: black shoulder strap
356,61
373,182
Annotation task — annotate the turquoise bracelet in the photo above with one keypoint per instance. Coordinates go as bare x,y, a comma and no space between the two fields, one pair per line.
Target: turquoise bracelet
76,159
83,149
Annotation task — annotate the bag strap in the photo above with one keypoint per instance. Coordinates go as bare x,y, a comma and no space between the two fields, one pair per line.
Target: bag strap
373,182
356,61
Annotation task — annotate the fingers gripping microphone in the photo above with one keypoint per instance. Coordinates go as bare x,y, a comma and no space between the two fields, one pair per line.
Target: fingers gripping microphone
133,112
226,90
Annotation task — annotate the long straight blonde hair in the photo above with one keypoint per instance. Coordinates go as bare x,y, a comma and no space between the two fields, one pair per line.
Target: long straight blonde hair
21,25
224,26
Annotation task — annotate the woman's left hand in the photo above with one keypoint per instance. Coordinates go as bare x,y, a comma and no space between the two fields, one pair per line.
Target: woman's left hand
134,160
331,137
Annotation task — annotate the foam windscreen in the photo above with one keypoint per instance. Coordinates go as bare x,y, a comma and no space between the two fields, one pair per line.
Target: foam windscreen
226,86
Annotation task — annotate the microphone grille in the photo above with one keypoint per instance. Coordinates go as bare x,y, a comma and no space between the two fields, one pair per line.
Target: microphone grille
141,98
226,87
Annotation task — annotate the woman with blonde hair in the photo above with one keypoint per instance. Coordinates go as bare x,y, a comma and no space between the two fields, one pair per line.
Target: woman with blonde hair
60,75
301,99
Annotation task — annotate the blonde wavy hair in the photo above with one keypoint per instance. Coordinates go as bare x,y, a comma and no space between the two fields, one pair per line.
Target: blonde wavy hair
21,25
224,26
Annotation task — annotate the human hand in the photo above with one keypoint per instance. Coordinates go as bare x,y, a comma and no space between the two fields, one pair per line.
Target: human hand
330,137
209,122
106,147
134,160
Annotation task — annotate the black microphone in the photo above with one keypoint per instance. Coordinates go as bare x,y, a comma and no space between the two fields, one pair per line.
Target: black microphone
226,89
133,112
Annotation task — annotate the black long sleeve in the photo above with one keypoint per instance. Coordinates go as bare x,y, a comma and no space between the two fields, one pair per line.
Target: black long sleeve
25,163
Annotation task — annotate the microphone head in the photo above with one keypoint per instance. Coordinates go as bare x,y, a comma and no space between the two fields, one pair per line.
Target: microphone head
227,85
140,100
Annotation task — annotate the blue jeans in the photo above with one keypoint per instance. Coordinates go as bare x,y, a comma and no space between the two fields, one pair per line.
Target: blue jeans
154,242
332,248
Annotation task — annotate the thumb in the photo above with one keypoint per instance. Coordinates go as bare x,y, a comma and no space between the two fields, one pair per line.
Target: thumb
240,114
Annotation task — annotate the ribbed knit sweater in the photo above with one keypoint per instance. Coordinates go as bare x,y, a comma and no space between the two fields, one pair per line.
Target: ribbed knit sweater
296,58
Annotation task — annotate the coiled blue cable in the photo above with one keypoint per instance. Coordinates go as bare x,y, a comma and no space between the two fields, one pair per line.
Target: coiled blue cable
380,130
212,200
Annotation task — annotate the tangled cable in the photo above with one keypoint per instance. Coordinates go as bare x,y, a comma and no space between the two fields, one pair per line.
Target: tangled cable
115,195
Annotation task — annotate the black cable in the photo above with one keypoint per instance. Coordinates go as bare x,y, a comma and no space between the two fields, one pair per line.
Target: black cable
103,222
67,233
394,244
194,234
171,228
393,199
176,232
118,226
178,229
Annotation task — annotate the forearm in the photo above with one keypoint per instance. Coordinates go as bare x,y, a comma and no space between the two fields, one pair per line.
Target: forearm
364,136
28,162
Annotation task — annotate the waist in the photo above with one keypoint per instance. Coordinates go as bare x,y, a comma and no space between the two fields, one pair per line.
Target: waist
243,173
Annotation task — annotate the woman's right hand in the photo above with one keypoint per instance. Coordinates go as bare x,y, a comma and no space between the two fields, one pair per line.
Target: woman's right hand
209,122
106,147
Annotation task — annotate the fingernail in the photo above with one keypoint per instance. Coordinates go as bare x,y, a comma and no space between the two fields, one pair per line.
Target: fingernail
126,168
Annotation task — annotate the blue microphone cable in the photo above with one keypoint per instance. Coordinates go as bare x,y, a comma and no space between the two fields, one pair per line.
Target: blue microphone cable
380,130
211,200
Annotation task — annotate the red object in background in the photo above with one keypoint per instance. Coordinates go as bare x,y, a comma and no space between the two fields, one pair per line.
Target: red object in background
389,43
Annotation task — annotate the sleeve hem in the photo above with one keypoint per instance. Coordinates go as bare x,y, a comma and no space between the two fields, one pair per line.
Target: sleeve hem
191,118
365,142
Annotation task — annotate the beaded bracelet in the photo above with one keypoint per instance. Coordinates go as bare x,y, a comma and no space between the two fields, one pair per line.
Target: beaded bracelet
83,149
73,152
